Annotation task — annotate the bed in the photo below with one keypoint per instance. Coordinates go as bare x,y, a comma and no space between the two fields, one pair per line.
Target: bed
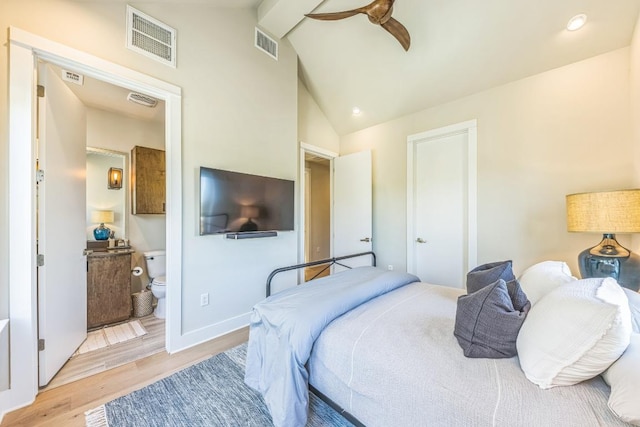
391,359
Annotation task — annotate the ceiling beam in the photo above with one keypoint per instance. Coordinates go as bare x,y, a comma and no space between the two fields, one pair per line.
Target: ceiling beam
278,17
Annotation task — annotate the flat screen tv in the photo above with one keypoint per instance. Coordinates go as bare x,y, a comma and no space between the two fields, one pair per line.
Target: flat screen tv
233,202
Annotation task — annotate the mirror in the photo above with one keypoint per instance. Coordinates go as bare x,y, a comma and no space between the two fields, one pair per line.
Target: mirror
102,198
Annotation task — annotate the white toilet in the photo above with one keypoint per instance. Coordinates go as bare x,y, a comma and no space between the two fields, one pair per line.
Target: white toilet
156,269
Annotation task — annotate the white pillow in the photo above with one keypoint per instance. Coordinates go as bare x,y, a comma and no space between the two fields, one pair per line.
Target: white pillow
634,305
574,333
540,279
624,378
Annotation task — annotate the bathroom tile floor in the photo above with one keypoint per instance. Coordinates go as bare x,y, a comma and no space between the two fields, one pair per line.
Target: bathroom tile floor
94,362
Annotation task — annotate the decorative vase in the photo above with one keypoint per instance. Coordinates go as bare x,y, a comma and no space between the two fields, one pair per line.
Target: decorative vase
101,232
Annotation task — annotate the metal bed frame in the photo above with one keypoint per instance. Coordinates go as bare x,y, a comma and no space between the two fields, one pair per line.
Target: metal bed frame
328,261
346,415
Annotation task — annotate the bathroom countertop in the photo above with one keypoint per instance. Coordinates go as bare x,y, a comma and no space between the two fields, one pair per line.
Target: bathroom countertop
111,252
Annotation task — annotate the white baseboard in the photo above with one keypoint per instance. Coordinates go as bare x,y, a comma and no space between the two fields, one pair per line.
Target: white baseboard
210,332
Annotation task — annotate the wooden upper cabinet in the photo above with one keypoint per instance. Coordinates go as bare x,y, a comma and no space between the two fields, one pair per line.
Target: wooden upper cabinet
148,180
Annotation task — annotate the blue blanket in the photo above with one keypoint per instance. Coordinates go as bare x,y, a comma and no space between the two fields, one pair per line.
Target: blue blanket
285,326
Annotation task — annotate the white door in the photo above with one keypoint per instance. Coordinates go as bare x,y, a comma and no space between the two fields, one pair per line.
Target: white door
62,283
441,242
352,207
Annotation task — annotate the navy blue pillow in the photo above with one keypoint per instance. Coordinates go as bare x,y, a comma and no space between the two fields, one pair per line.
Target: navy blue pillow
486,274
488,320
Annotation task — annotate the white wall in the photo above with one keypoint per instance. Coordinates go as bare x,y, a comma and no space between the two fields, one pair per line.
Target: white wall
560,132
313,126
635,113
239,112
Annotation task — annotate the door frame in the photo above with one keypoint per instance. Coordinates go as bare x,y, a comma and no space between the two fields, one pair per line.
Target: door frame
327,154
470,129
24,51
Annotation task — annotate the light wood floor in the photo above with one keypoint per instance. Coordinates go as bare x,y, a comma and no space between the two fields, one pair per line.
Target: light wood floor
97,361
310,272
66,404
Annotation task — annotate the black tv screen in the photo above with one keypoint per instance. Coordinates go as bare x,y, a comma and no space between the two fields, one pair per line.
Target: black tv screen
232,202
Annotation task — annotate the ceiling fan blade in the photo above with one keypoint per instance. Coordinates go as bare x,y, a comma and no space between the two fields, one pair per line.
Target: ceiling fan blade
398,31
334,16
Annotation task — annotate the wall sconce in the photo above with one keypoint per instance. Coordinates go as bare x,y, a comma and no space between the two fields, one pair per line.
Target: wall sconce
114,179
607,213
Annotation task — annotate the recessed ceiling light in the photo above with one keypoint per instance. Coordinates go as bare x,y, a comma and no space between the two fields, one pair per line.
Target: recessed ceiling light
356,111
577,22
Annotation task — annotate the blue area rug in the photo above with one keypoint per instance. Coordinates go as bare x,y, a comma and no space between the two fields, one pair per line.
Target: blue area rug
210,393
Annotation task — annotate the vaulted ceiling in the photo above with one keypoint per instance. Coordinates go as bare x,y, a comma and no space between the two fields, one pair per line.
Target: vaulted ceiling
458,47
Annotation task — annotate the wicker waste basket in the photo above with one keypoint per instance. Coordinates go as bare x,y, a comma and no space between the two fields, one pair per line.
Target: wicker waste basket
142,303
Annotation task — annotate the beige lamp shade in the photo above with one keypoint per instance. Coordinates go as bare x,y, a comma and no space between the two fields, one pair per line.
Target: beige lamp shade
100,217
606,212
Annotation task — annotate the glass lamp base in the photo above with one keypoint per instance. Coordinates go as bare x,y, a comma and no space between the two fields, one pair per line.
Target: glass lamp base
101,232
614,261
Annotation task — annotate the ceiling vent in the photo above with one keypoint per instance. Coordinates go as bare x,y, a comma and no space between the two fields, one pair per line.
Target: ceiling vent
266,44
151,37
141,99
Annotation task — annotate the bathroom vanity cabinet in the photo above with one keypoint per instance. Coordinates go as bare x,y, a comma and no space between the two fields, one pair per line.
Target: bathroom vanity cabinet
148,181
108,287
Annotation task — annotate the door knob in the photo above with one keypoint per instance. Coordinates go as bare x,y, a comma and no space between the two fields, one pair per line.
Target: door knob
366,239
421,240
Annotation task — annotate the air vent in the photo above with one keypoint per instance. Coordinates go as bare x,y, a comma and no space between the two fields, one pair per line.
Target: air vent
151,37
70,76
141,99
266,44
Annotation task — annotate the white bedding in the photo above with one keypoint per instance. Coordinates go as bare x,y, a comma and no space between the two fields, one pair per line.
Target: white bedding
285,326
394,361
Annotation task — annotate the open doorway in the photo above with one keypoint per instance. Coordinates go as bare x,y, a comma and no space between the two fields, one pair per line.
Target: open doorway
336,208
317,218
26,50
116,331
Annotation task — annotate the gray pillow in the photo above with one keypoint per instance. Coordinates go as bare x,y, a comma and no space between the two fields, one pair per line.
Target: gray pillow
487,274
488,321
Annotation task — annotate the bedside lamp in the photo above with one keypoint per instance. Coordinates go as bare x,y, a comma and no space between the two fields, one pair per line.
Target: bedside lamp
101,232
608,213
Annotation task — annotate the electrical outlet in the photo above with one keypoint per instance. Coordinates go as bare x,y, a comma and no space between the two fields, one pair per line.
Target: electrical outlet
390,267
204,299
